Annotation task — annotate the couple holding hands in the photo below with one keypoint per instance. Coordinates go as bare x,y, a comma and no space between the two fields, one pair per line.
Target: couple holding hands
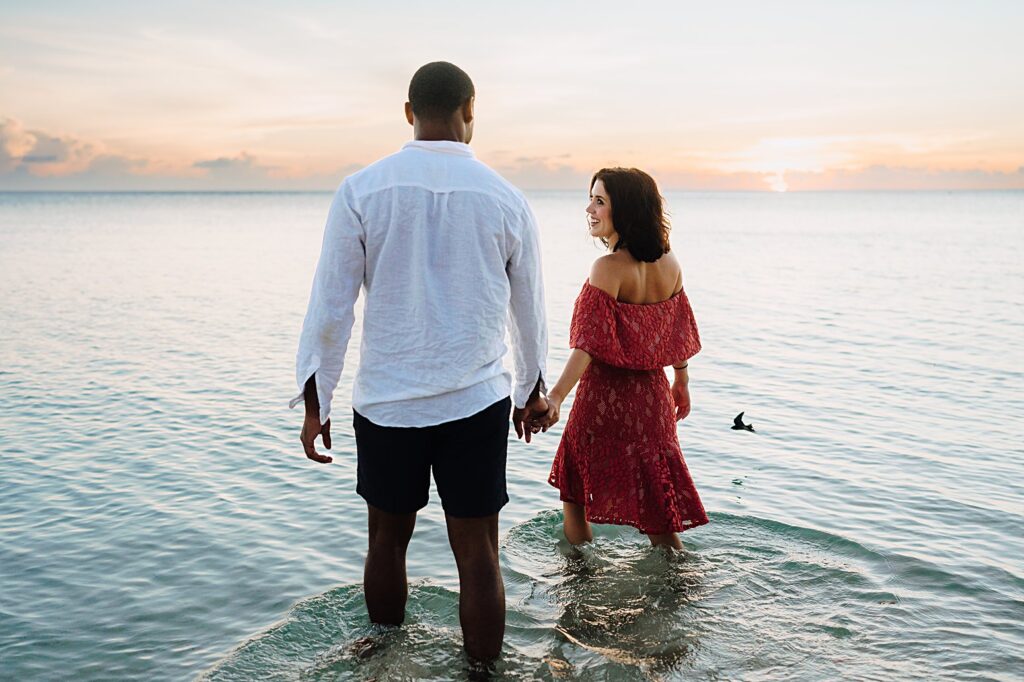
446,251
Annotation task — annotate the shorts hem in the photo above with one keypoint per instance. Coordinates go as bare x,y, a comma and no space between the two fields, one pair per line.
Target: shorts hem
473,514
392,508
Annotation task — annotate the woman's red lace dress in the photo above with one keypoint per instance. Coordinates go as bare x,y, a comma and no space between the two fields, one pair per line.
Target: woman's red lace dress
619,456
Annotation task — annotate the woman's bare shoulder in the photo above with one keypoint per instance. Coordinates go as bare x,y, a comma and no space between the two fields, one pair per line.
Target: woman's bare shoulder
672,270
669,261
606,274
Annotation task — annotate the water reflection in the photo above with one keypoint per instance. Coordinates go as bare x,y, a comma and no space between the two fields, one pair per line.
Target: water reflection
626,604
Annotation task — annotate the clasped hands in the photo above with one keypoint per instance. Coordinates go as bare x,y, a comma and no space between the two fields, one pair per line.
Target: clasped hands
539,414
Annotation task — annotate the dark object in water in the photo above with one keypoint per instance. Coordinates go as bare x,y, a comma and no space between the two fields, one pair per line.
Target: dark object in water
738,425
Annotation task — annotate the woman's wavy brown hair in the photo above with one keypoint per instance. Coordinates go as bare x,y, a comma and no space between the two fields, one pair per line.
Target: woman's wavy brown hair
637,212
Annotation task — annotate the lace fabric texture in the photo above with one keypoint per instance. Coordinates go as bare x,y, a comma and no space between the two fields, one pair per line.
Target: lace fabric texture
619,456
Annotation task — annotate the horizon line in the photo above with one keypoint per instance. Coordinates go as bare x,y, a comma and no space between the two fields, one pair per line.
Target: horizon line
922,190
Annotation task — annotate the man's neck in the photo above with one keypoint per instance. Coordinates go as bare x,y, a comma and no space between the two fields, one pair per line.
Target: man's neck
439,131
435,138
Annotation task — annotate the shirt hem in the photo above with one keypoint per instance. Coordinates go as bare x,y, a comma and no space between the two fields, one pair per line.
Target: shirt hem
470,400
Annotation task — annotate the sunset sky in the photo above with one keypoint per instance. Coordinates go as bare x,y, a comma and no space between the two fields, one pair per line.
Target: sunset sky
731,95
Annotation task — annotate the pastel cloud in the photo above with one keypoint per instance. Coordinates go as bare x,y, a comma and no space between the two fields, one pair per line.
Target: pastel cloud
35,160
537,172
45,154
32,159
246,172
234,170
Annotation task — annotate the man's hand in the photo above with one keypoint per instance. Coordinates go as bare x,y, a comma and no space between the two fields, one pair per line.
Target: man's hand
311,428
525,419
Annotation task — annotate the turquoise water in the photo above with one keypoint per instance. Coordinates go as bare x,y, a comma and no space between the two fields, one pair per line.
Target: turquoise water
159,521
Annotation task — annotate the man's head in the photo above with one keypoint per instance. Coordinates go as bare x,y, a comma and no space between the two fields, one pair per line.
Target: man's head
440,102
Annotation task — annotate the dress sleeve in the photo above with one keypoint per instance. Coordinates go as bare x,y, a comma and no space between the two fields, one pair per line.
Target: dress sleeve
594,328
639,337
684,339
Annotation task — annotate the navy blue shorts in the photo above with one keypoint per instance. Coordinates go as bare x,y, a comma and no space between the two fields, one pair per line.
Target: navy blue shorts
467,457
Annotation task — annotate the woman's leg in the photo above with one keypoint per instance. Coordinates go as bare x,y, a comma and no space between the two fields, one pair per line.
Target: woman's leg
666,540
577,530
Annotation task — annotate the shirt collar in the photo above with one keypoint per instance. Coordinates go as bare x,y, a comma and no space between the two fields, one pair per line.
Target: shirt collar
442,146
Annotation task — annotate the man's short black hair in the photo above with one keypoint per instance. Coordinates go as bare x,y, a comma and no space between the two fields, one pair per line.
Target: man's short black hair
437,89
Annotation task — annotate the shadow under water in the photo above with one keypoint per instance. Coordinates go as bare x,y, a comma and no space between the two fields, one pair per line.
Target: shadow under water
749,599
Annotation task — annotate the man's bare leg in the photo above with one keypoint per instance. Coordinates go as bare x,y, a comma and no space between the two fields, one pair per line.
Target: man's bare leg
481,589
574,523
384,584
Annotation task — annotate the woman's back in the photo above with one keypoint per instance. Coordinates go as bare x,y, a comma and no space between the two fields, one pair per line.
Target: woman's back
637,282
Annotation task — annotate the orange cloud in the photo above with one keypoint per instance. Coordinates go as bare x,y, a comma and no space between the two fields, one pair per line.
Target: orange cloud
32,160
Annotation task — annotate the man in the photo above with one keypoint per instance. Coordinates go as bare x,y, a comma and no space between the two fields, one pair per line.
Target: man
446,251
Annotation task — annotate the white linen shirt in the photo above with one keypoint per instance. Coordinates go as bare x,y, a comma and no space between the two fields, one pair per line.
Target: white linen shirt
446,250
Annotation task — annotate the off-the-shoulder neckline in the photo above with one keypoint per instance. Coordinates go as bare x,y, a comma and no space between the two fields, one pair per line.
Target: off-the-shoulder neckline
670,299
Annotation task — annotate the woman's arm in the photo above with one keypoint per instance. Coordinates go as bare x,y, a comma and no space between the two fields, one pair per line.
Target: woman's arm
681,389
578,362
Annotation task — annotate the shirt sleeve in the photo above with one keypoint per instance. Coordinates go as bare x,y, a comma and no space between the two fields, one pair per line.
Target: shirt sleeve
528,326
329,317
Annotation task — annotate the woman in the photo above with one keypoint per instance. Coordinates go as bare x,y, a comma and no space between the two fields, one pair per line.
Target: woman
619,460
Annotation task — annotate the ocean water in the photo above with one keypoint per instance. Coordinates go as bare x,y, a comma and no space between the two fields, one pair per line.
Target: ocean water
158,519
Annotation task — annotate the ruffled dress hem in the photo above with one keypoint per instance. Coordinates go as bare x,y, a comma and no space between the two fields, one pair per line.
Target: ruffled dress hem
617,521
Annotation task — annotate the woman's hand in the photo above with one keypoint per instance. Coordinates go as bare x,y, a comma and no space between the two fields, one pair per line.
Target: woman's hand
554,408
681,398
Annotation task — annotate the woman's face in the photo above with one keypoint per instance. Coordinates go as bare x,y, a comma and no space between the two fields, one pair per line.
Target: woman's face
599,212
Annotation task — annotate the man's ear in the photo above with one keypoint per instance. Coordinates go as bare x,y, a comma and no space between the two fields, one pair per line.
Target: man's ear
408,113
467,110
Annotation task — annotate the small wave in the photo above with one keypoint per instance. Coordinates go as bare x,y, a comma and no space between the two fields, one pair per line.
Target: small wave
747,598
